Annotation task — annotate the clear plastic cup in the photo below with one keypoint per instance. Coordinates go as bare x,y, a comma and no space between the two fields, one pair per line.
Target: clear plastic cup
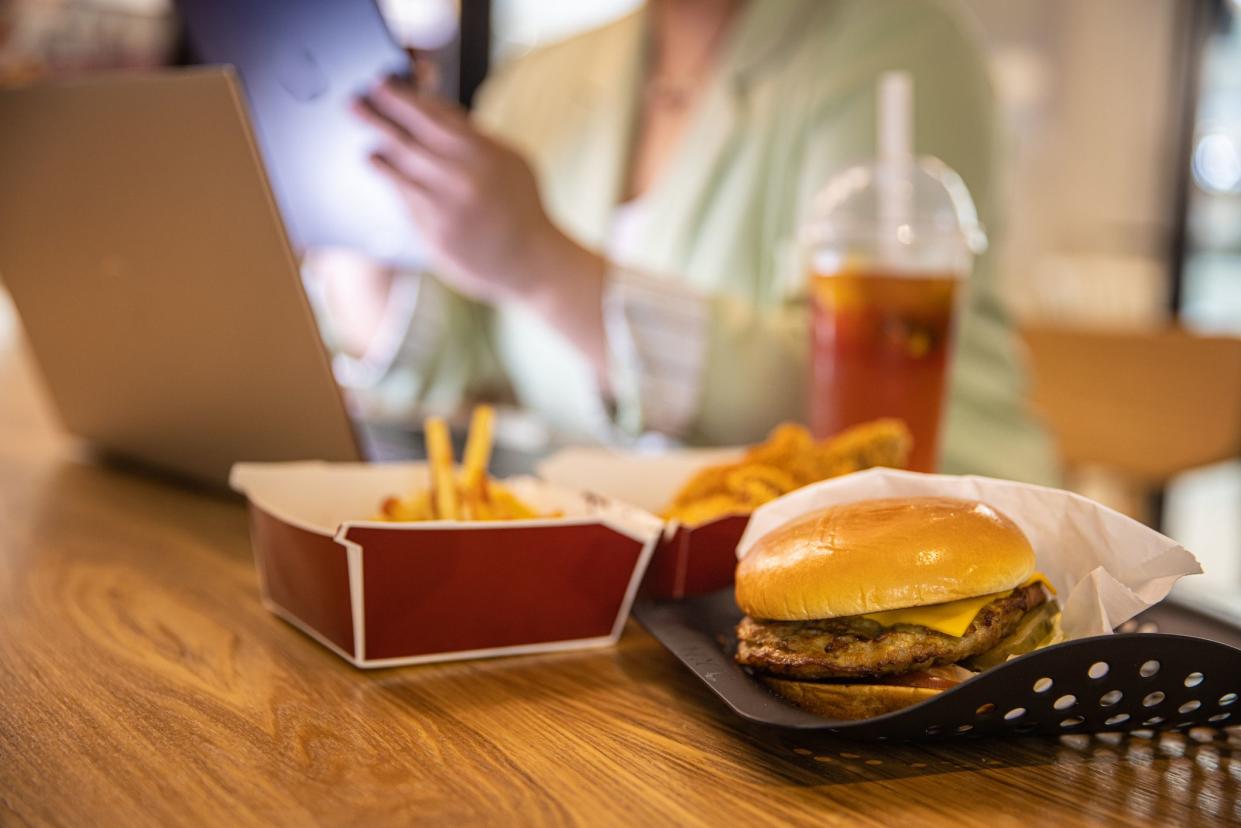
891,245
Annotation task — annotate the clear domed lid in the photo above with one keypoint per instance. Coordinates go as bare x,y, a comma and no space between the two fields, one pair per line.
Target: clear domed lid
874,200
897,212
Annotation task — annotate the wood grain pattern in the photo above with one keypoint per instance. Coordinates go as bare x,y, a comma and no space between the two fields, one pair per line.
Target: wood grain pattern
142,684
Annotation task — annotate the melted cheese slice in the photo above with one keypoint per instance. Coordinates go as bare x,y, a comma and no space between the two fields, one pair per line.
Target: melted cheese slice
952,618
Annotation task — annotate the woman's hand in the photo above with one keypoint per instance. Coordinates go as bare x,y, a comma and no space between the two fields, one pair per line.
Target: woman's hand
477,204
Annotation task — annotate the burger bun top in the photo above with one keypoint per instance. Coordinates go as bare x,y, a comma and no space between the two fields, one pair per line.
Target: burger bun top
877,555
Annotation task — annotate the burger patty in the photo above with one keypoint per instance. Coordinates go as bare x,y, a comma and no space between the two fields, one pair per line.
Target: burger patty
855,647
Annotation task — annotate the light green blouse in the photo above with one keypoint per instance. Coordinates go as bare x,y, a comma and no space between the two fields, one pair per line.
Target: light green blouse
792,104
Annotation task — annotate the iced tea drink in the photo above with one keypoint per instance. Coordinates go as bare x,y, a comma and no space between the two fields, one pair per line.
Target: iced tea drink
881,347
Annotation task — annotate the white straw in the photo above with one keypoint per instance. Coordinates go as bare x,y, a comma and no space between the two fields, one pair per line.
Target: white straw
895,150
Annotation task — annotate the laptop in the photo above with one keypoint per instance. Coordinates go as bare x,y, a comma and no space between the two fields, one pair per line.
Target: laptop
300,63
147,259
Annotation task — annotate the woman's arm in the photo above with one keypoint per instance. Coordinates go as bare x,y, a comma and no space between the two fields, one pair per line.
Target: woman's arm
477,204
709,368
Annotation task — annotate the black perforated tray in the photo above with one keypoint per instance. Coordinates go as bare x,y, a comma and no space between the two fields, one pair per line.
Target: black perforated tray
1121,682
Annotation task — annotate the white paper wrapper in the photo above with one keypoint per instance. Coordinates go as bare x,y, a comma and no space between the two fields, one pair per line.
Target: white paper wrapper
648,481
1106,567
324,496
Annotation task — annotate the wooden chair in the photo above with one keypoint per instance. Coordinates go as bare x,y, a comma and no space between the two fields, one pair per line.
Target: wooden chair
1137,406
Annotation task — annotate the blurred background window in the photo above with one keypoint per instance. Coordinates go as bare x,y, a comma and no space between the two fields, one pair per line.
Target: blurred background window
1203,507
47,37
521,25
1211,292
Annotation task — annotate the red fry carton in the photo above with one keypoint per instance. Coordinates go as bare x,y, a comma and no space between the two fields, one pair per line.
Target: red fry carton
688,560
384,594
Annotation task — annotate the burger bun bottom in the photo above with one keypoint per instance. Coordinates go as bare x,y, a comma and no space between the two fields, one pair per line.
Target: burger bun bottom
849,702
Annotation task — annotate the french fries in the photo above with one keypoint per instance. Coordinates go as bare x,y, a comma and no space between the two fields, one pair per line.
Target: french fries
474,484
443,481
788,460
470,494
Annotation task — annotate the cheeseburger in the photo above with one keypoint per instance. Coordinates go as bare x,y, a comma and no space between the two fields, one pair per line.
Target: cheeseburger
864,608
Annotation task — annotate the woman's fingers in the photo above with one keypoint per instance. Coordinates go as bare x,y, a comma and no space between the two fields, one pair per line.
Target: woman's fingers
404,153
421,167
364,110
442,128
414,192
381,162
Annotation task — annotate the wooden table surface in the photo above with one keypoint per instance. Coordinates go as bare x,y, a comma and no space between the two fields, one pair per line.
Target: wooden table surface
141,683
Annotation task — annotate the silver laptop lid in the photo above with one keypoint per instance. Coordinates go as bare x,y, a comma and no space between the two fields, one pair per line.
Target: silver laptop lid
148,264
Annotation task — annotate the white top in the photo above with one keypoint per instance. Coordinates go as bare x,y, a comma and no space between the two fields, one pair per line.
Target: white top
657,330
628,222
